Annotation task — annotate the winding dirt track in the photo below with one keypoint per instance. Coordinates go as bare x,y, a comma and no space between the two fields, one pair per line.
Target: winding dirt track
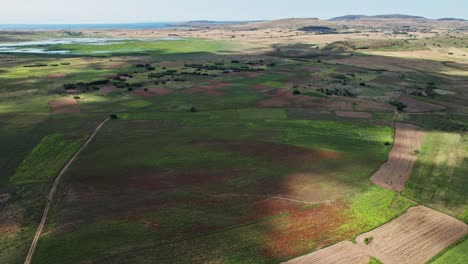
52,193
394,173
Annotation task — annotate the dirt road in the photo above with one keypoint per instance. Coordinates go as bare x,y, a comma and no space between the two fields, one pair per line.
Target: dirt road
52,193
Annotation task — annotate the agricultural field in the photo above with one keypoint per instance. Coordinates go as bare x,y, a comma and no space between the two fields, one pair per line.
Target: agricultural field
261,142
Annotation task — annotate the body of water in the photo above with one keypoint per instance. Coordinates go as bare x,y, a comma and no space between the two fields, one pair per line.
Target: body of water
42,46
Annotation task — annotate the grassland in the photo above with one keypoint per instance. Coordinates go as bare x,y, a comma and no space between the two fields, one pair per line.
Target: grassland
438,177
224,179
45,160
34,147
176,46
217,155
455,254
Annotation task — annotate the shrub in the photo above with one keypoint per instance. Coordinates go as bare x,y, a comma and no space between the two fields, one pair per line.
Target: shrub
296,92
399,105
367,240
193,109
113,116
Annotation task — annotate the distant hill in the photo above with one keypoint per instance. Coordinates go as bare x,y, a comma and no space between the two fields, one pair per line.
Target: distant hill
392,16
451,19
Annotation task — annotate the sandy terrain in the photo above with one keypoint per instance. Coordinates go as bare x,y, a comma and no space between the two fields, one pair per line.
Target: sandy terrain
417,106
64,106
353,114
394,173
414,237
343,252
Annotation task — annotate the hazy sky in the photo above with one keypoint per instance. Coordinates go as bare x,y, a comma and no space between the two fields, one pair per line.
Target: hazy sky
94,11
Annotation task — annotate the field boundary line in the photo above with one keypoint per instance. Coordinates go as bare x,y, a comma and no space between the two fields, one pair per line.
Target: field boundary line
51,194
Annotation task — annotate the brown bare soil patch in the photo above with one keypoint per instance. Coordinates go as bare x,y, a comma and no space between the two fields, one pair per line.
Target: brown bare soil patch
143,93
211,89
367,105
108,89
394,173
246,74
353,114
414,237
309,69
343,252
275,151
73,91
160,90
64,106
417,106
56,75
10,220
154,92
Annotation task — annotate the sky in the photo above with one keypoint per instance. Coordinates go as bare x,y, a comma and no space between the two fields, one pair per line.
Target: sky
125,11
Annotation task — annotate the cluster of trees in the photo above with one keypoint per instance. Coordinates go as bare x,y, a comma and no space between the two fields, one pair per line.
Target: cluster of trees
85,86
45,65
335,91
220,67
399,105
149,67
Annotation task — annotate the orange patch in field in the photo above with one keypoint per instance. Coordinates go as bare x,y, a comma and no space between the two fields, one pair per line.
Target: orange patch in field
56,75
64,106
294,234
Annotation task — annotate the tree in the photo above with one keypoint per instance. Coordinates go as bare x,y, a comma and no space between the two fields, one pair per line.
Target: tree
296,92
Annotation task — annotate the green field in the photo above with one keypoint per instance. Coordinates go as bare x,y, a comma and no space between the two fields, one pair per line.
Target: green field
456,254
220,153
219,177
439,175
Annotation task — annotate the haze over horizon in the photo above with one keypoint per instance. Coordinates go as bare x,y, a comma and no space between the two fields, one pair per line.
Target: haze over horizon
140,11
